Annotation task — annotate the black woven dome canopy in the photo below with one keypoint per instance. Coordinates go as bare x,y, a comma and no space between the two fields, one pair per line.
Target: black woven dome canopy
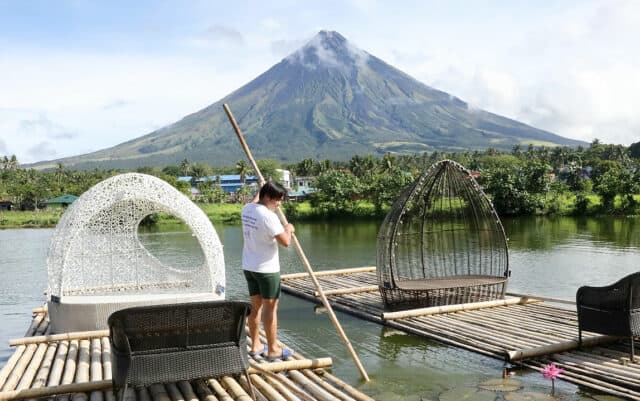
442,243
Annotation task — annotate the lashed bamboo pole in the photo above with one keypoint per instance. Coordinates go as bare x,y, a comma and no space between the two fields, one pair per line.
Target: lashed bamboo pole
434,310
35,323
283,382
334,272
50,391
69,386
285,391
549,299
45,367
298,247
326,386
219,390
347,388
75,335
558,347
187,391
10,365
350,290
158,392
39,310
95,367
20,367
174,393
58,364
203,392
235,389
30,372
106,358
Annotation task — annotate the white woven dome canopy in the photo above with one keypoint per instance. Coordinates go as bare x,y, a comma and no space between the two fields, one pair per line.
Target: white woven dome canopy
95,249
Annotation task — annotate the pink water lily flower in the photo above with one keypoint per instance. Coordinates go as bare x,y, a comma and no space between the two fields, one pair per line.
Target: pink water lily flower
551,371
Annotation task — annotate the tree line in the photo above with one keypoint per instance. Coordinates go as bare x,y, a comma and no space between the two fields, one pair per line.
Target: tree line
598,179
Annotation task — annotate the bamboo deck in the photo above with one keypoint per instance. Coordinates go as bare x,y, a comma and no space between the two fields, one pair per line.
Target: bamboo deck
85,366
530,333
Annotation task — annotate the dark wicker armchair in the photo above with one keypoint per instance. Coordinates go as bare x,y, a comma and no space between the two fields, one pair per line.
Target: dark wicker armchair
169,343
612,309
442,243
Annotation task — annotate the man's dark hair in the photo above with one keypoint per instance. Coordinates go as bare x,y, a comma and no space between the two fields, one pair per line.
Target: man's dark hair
273,190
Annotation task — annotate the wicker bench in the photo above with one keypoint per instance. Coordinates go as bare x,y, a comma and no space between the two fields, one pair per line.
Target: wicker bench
612,309
169,343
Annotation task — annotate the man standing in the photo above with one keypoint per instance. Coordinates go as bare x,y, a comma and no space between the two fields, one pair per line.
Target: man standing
262,232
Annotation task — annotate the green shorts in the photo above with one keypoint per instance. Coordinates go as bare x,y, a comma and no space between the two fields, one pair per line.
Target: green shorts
266,285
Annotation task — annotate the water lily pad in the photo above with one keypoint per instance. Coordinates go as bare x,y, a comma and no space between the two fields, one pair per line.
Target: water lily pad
529,396
501,385
467,393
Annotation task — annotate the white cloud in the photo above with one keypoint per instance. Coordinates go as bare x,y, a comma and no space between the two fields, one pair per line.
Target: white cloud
43,150
3,147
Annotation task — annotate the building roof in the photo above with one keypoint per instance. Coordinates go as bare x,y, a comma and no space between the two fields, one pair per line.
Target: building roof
62,199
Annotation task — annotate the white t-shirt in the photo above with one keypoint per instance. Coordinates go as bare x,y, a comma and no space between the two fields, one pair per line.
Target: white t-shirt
260,226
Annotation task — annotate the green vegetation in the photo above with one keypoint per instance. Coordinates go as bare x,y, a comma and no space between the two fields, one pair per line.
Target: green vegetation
600,180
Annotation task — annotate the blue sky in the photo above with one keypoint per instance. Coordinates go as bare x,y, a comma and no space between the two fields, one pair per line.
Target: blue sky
79,76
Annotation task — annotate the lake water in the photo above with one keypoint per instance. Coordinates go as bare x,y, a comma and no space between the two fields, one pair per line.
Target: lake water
548,256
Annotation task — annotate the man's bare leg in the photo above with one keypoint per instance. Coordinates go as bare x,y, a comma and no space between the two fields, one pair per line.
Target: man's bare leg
253,320
271,326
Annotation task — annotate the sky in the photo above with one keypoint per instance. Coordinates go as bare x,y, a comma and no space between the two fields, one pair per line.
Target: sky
78,76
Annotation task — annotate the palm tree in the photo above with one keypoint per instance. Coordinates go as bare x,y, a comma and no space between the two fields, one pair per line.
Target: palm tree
242,168
185,167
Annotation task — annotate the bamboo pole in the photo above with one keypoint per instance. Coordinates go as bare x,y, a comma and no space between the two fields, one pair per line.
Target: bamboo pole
187,390
45,367
358,395
158,392
58,364
10,365
220,391
554,300
30,372
20,367
106,358
558,347
75,335
174,393
35,322
39,310
335,272
298,247
235,389
203,392
326,386
350,290
262,385
435,310
55,390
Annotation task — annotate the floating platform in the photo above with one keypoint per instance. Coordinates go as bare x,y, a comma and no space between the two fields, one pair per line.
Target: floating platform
77,367
525,330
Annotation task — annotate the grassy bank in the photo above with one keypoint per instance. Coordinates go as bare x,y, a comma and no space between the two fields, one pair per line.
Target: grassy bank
29,219
561,205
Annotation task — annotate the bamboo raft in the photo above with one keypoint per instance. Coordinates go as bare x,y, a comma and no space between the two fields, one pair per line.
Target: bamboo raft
77,367
523,330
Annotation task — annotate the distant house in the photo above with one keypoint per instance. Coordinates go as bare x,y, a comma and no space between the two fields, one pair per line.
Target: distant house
303,181
61,201
230,183
286,177
5,205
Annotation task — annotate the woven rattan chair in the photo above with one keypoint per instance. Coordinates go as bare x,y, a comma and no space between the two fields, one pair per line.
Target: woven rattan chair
169,343
612,309
441,243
